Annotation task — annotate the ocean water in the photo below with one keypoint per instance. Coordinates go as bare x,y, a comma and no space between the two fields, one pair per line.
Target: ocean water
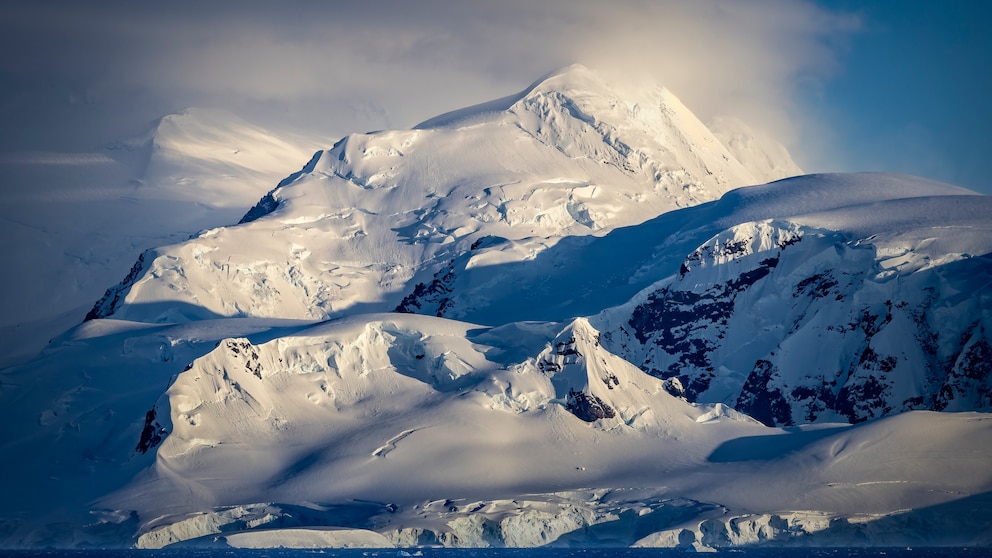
513,553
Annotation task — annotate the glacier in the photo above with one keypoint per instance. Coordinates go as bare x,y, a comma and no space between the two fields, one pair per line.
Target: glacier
573,316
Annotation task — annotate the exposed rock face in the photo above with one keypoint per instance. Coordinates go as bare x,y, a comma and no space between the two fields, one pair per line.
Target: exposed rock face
432,296
151,434
795,325
760,399
588,407
108,304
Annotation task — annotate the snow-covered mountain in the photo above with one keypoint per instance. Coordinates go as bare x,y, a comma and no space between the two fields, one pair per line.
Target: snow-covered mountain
556,318
865,298
366,221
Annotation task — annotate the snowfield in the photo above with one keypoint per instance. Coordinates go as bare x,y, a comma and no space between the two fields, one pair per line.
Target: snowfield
565,317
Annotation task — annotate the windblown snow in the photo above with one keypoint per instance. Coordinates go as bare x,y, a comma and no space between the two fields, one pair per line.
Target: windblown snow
564,317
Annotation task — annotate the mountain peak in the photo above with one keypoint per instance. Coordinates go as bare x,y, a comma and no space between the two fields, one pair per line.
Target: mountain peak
647,127
571,69
562,80
566,157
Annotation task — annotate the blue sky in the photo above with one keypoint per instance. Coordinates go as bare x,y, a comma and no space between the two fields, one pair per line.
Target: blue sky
913,90
892,85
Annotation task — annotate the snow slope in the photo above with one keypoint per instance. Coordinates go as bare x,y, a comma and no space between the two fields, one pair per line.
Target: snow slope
401,410
761,155
532,322
214,157
428,431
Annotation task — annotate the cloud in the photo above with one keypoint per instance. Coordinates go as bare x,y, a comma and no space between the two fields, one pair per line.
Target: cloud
745,59
55,159
338,64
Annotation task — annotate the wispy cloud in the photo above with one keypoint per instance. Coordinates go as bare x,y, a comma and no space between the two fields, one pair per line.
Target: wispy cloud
375,63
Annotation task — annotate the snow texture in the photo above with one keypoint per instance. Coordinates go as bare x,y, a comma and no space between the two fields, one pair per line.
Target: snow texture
566,317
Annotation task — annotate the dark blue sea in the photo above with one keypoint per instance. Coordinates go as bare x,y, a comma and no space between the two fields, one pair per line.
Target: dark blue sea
513,553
